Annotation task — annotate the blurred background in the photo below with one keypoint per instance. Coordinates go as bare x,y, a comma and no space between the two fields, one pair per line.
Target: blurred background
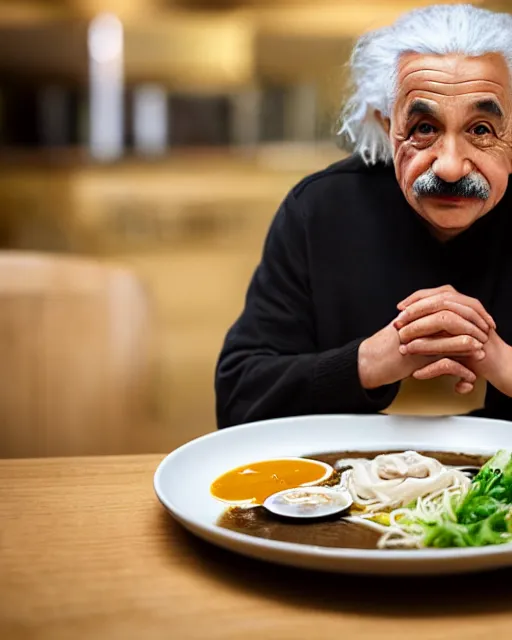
157,136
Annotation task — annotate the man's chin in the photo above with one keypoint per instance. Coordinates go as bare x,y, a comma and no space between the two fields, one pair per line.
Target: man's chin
453,218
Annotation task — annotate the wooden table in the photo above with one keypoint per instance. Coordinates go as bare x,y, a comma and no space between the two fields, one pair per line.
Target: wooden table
86,551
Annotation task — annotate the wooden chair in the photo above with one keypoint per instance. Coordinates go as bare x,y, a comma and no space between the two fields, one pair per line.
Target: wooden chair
74,356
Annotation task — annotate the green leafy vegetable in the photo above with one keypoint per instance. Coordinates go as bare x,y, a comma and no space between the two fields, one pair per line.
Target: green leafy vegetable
489,491
493,529
484,514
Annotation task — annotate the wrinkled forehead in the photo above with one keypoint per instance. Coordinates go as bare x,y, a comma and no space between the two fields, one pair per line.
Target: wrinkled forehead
454,77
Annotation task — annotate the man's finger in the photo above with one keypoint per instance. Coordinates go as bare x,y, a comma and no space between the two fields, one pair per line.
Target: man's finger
456,345
424,293
463,387
447,322
445,367
467,307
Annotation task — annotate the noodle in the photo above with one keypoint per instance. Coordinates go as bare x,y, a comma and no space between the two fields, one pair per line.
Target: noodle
408,486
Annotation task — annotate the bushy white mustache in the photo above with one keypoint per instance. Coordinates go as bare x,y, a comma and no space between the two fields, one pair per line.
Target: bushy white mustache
474,185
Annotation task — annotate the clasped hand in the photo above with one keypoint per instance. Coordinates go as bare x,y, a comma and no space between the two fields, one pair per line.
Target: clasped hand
438,332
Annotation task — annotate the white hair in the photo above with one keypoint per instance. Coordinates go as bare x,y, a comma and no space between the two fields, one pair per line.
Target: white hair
437,29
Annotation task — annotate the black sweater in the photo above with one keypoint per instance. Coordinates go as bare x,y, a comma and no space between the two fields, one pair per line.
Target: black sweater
343,249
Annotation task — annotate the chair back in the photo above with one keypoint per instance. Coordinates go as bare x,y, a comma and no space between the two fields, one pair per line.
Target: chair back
74,356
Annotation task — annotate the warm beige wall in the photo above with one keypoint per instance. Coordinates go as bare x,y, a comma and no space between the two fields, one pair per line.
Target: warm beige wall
345,17
192,229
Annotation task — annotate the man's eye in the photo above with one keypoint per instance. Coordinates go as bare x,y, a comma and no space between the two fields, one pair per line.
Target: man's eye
425,129
481,130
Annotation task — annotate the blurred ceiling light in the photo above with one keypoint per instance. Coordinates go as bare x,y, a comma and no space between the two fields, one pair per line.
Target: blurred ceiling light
106,87
105,38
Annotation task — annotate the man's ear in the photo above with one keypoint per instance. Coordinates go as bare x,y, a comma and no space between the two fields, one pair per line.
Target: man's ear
384,122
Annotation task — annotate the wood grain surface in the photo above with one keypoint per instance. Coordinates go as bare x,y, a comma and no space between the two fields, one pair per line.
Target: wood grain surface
86,551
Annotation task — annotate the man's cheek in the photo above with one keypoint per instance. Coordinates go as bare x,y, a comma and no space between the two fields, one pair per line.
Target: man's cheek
406,159
495,165
501,156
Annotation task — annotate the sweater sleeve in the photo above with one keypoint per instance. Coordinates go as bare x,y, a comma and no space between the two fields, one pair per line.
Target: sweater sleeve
269,365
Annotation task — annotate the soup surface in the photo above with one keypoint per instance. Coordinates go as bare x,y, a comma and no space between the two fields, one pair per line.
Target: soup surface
333,532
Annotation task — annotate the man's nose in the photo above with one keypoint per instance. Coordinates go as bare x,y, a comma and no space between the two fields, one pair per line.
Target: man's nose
451,164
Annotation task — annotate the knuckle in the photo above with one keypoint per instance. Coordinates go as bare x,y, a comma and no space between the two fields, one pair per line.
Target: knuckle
446,365
448,319
468,341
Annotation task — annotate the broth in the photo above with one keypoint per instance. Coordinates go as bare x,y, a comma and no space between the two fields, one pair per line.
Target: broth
333,532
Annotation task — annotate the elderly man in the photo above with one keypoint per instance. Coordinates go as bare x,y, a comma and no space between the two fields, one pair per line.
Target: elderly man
395,262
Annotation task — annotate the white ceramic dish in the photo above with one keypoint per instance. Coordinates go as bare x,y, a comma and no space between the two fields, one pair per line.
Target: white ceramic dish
182,484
